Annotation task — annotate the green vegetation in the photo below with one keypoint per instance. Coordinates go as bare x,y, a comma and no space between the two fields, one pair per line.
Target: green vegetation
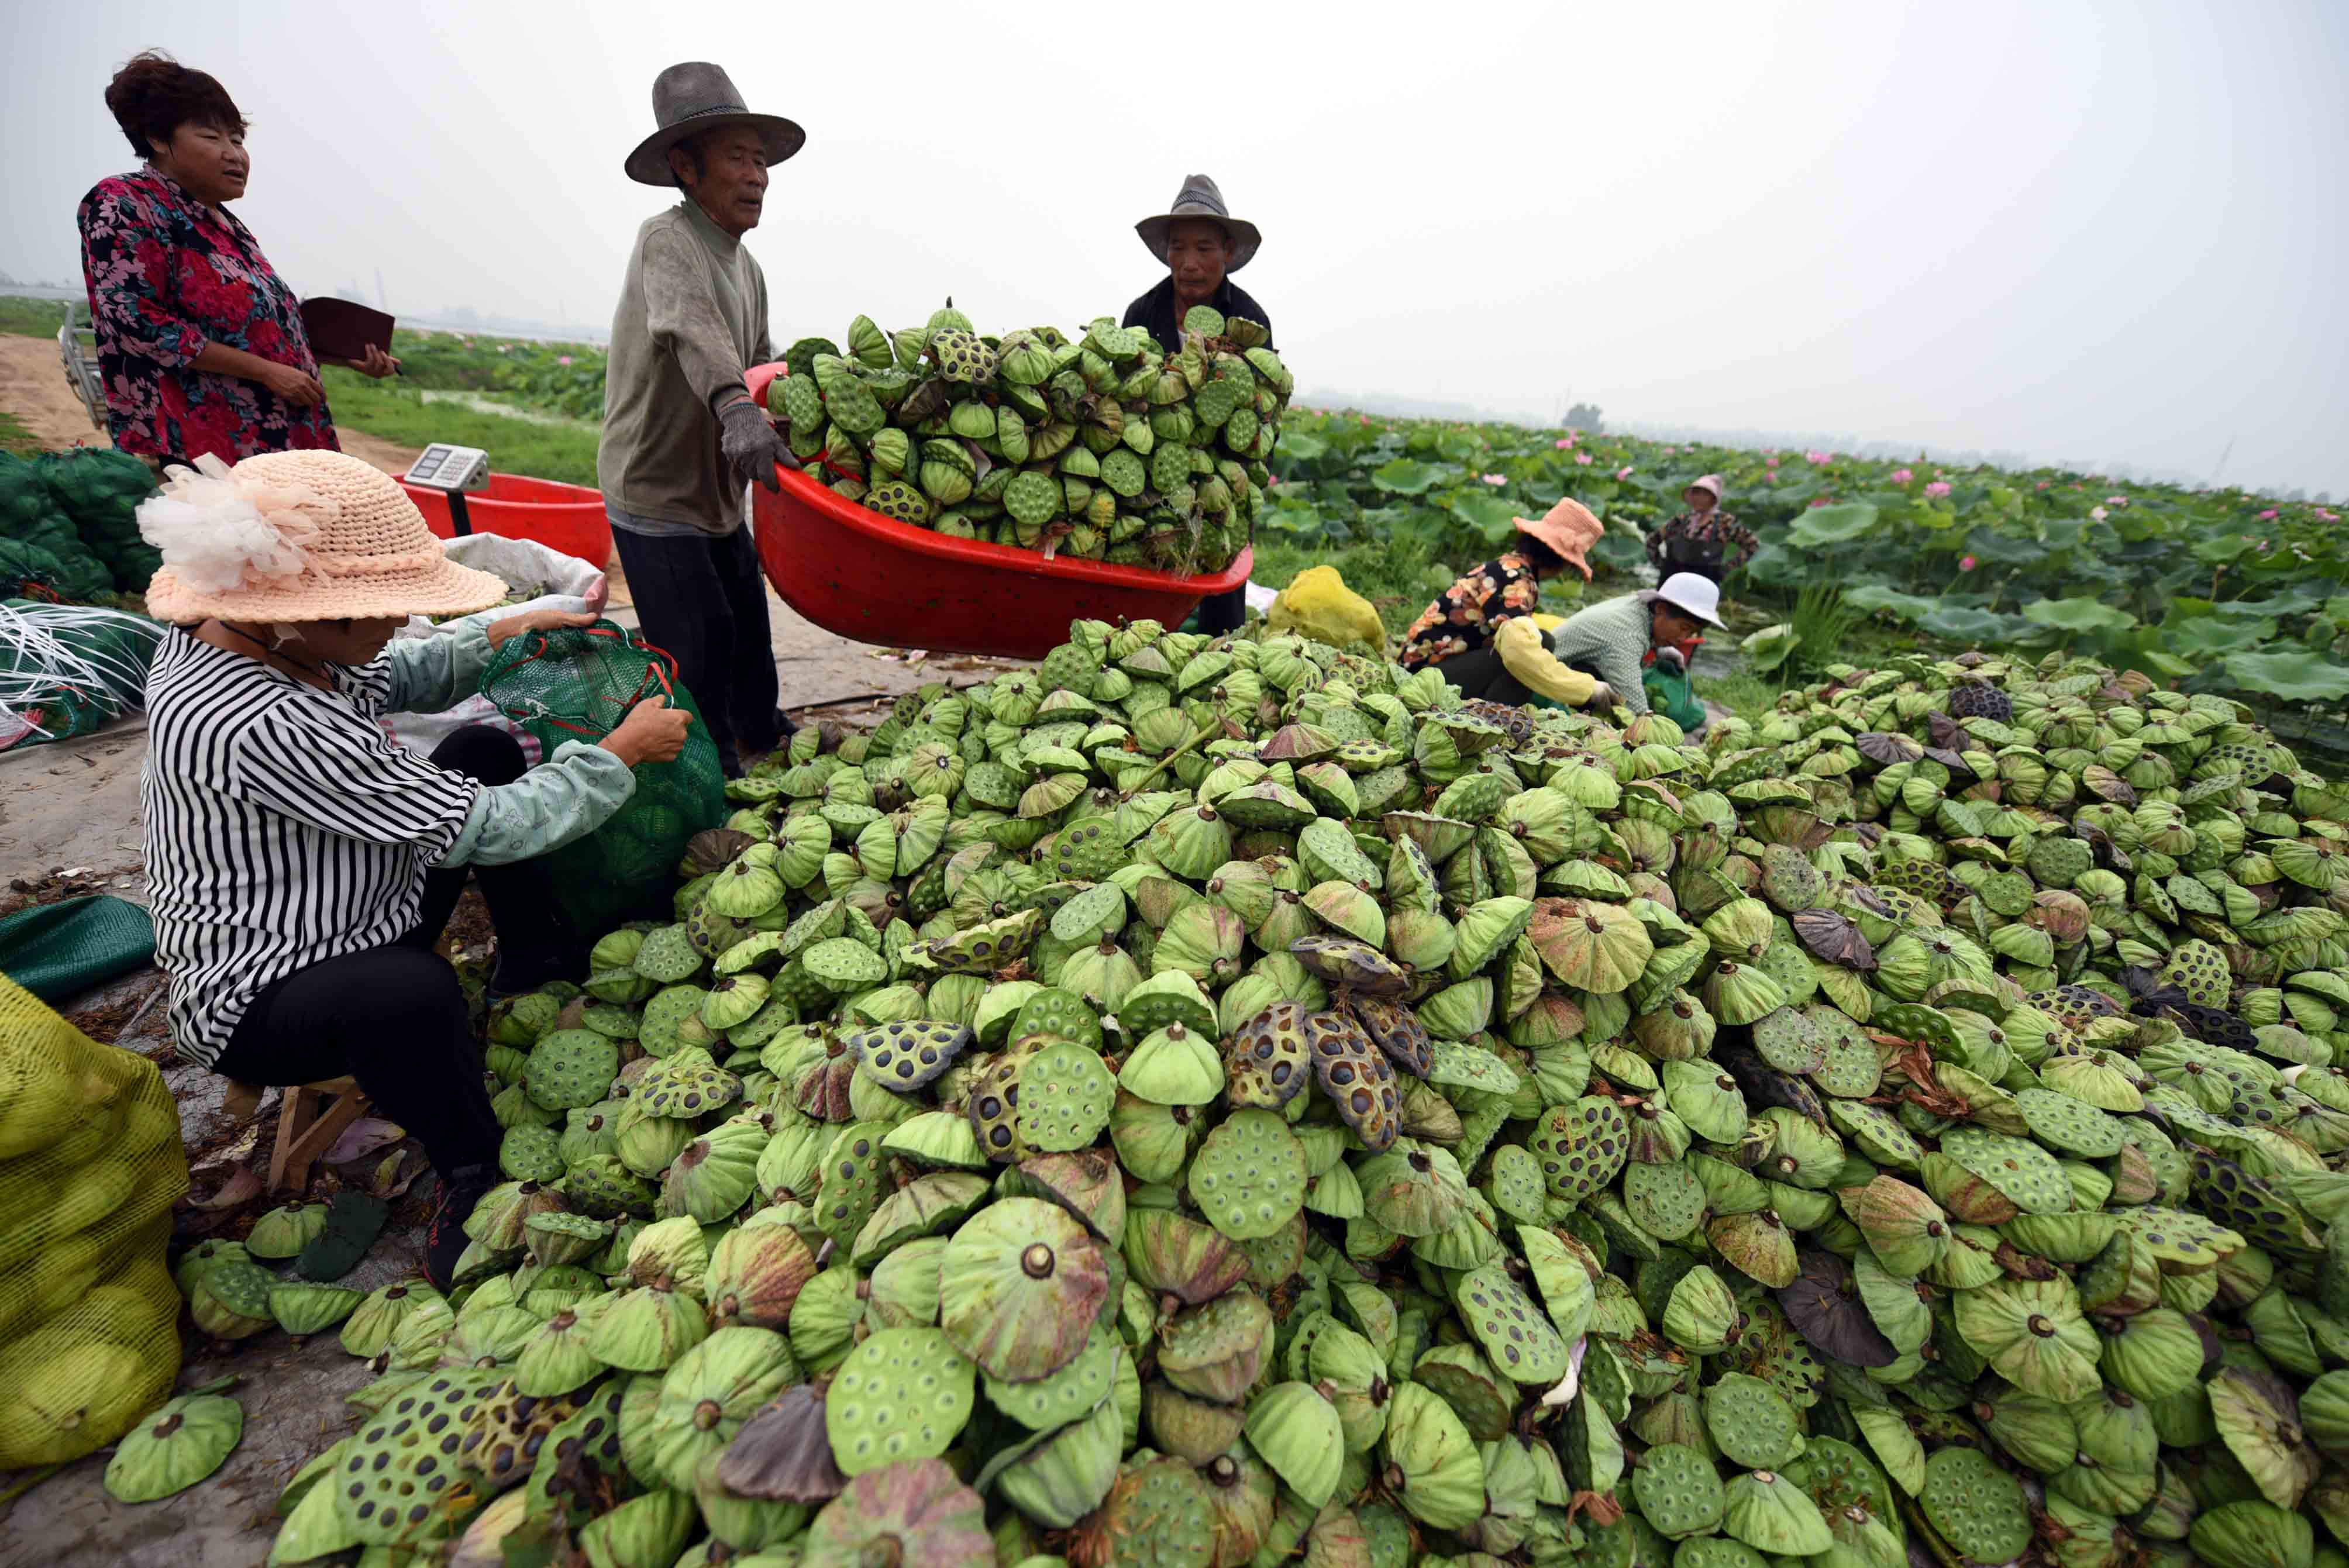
2215,590
15,438
21,317
1747,696
395,412
559,378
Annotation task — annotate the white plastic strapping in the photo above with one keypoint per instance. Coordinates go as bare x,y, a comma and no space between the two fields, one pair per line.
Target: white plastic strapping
45,651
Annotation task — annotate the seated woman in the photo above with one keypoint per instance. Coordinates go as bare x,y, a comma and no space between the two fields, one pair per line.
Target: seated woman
302,864
1703,539
1468,634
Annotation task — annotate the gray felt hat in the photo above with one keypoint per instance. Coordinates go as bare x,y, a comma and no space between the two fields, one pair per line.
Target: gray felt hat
1200,199
691,98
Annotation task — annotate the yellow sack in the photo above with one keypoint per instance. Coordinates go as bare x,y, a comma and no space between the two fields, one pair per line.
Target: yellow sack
90,1164
1317,604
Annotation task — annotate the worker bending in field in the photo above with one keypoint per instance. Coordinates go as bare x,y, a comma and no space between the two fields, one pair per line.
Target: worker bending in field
1704,538
1202,244
1617,643
1461,634
682,438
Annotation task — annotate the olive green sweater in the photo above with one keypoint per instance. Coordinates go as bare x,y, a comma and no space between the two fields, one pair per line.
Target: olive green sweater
692,316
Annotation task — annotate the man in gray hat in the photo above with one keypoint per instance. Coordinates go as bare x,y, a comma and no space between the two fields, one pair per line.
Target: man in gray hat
682,436
1202,244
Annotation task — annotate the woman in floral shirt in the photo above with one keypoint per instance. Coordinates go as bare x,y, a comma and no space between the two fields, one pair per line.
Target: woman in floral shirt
1703,539
1456,632
200,342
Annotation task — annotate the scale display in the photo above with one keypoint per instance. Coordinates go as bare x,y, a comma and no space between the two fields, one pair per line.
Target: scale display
443,466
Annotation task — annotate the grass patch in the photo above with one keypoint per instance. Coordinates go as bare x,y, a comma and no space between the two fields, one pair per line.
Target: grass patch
393,413
22,318
1749,697
15,438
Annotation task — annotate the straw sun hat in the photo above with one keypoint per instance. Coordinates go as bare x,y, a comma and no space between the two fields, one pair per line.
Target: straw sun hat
1570,529
299,536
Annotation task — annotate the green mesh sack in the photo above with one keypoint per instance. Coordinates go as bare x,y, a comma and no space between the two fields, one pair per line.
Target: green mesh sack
23,495
98,492
81,576
578,684
28,572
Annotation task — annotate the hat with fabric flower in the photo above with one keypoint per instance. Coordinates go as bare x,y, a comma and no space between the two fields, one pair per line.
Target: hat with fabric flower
299,536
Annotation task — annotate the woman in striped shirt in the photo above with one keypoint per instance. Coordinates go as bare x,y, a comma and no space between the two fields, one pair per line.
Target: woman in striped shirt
302,864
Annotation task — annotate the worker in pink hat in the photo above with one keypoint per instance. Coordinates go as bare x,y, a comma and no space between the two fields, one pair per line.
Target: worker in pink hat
302,865
1461,634
1704,538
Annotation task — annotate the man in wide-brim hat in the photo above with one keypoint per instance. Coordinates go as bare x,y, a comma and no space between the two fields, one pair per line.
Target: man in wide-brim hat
682,438
1202,244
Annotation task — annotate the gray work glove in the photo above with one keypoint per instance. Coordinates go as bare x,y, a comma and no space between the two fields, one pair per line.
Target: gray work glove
1602,696
1671,661
751,445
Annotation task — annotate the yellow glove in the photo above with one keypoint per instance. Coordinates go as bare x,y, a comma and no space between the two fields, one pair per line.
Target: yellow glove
1525,655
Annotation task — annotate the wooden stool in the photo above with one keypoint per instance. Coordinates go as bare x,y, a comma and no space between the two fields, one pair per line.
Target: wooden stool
306,1129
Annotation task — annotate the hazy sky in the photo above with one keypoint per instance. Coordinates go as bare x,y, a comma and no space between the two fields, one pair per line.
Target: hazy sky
2102,232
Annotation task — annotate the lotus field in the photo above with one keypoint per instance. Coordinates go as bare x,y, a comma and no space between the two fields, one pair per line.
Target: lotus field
2220,590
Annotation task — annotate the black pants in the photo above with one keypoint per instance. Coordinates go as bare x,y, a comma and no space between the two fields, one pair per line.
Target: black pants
1481,673
394,1017
1222,613
702,601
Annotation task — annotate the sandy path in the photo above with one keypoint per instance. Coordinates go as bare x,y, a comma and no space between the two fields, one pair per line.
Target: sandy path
33,387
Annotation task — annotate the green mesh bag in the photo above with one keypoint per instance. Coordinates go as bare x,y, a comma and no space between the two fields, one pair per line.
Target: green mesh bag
28,572
98,491
577,685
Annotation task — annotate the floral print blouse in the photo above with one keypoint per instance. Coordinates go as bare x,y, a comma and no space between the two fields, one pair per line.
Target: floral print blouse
1716,540
167,275
1465,616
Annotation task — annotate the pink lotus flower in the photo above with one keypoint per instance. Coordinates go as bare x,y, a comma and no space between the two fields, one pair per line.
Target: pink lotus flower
2269,515
1819,500
1820,459
2097,512
1902,476
563,360
1937,489
1624,472
1565,443
1769,463
2045,483
1496,479
1582,458
2117,500
2328,515
1966,563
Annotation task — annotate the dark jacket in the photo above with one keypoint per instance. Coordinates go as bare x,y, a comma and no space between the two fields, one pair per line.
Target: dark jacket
1155,312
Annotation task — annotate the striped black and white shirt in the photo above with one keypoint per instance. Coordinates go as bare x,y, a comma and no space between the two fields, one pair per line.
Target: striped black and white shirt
283,828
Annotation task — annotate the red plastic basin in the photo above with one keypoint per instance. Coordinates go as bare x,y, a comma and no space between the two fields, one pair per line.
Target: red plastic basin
874,580
568,517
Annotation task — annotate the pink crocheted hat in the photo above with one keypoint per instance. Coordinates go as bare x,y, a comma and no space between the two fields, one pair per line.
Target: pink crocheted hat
299,536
